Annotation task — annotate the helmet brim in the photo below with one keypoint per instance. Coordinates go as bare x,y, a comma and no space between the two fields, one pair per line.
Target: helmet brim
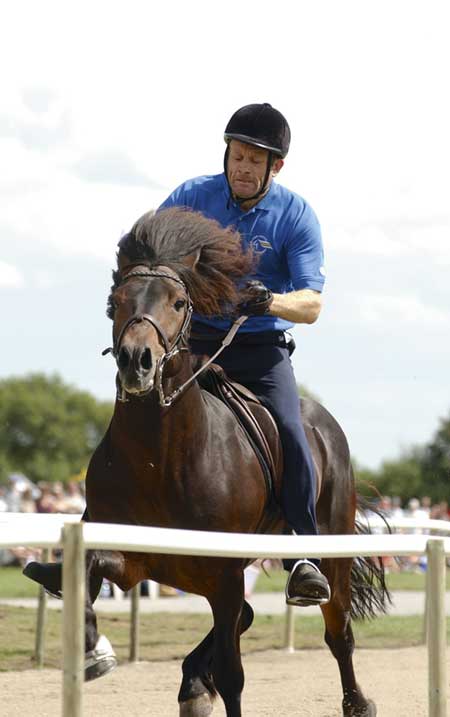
228,136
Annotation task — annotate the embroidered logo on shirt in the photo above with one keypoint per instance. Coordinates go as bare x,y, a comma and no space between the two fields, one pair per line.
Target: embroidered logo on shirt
260,244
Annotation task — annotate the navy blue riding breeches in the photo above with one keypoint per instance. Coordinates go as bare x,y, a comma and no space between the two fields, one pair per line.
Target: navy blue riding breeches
266,370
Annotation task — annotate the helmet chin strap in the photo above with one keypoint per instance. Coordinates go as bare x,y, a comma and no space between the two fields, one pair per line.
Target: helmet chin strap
242,200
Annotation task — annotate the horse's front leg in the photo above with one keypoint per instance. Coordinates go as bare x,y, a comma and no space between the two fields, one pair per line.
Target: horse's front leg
100,657
226,668
197,689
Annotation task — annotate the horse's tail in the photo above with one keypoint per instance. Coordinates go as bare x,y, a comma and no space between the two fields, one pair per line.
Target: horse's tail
369,592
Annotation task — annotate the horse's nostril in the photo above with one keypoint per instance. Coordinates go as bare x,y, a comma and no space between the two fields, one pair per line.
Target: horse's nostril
146,359
123,359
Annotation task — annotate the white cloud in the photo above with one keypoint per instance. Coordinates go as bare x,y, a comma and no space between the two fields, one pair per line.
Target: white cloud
369,240
416,238
112,167
360,84
36,117
400,311
10,276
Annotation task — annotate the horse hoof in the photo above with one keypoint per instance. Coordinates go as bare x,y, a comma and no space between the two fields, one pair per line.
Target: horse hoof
100,660
197,707
368,710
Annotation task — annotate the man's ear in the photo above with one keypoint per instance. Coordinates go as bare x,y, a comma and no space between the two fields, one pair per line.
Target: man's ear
191,260
277,166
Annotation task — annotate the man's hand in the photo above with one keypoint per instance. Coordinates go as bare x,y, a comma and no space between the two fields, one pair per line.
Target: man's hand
257,299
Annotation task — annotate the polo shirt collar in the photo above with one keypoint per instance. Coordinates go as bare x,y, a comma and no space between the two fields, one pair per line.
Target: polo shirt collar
263,203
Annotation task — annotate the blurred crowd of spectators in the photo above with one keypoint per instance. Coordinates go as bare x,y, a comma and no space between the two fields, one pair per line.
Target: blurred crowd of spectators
21,495
421,509
417,509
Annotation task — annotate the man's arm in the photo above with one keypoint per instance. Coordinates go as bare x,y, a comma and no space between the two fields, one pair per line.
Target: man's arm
301,307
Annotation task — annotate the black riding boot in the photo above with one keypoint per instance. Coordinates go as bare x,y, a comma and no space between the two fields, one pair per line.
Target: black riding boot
49,575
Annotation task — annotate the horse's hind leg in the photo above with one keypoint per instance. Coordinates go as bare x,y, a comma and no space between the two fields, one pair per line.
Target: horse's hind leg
197,688
339,637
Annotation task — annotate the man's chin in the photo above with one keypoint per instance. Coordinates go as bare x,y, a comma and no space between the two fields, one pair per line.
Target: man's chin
243,190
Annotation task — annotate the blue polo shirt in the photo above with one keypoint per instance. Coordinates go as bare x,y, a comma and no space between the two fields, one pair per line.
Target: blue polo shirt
282,229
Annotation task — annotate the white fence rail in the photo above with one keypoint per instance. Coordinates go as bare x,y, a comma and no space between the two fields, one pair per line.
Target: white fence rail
41,533
75,537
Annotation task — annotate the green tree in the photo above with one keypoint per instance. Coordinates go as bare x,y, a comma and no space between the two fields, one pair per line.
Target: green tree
304,392
435,463
402,477
48,429
419,471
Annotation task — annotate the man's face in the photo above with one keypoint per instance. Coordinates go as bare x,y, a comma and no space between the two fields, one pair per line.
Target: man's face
247,168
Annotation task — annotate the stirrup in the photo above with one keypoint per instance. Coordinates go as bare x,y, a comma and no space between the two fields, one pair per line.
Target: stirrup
100,660
314,598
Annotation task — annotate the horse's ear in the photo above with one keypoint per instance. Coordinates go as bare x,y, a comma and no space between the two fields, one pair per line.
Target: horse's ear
191,260
122,260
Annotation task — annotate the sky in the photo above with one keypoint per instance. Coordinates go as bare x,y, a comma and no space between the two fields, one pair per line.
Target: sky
106,107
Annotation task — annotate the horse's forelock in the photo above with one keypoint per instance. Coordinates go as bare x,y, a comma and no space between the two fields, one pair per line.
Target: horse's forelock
170,235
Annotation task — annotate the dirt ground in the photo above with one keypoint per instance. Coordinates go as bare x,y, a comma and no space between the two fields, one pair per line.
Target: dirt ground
277,685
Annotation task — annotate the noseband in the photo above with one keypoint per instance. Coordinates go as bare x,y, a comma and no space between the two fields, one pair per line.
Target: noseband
170,350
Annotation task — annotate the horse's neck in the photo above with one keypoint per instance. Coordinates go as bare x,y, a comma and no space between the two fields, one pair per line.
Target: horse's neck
163,429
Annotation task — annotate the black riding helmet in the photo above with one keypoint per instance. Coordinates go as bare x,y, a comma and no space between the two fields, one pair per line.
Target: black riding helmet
260,125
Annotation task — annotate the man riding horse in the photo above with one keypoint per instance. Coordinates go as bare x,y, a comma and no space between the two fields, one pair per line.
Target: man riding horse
285,290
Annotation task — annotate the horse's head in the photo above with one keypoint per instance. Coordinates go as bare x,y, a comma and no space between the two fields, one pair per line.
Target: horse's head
169,261
152,314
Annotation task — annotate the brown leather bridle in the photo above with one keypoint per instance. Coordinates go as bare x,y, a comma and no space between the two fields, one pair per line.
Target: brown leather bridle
170,350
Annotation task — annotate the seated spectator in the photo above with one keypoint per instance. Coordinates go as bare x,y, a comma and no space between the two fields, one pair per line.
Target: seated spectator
59,497
3,501
74,501
46,502
397,510
27,503
425,504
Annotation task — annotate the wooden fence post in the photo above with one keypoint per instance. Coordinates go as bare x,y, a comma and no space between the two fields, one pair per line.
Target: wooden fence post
289,629
74,579
134,625
437,630
39,644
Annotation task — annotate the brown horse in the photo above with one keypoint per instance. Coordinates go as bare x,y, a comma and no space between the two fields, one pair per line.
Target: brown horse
175,456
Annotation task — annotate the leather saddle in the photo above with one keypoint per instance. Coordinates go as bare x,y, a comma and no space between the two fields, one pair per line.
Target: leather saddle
244,405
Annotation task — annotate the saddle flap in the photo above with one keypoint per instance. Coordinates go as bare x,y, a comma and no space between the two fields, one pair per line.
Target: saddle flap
238,398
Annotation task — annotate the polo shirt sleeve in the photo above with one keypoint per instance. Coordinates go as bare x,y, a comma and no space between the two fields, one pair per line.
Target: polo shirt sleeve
177,198
304,251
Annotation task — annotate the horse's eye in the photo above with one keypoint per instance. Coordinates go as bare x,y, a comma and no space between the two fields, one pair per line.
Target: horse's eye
178,305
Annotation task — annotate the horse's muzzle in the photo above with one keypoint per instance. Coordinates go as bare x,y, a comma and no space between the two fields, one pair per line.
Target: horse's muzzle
136,369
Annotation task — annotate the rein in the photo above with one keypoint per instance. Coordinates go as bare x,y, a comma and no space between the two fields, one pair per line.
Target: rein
227,340
170,351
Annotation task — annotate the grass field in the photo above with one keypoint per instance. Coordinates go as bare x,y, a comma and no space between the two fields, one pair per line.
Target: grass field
165,636
169,636
276,580
14,585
